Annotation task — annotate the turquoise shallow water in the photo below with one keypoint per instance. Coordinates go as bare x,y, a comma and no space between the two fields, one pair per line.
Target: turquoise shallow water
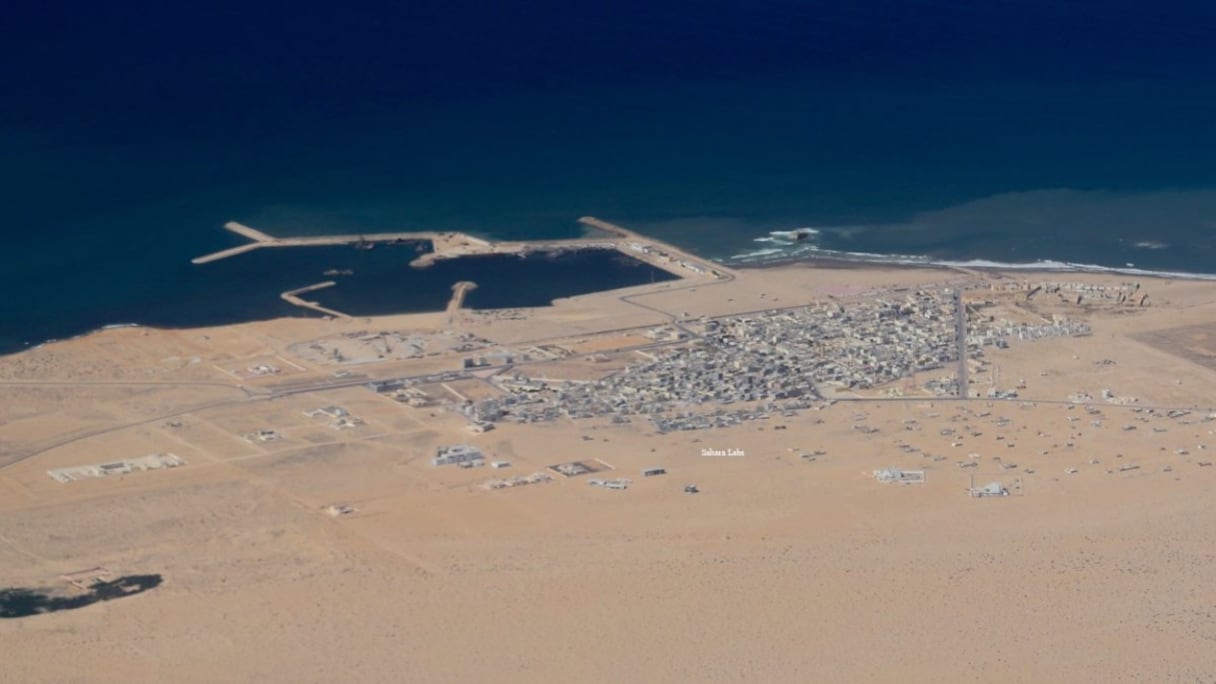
930,131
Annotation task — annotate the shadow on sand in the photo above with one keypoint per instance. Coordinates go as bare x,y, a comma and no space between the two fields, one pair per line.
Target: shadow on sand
17,602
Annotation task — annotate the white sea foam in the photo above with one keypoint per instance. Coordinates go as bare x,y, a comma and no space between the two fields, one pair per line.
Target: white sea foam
758,254
1069,266
55,340
1030,213
804,231
811,252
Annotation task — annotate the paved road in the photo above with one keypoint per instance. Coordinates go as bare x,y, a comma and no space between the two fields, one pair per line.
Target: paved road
126,383
675,320
960,341
114,428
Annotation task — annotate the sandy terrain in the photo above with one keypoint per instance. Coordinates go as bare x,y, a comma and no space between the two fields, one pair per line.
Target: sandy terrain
792,564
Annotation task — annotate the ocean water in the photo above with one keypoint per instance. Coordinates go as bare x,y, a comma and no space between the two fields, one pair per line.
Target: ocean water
503,281
368,283
1066,133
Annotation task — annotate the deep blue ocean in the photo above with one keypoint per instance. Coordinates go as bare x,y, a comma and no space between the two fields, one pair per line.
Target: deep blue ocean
1062,131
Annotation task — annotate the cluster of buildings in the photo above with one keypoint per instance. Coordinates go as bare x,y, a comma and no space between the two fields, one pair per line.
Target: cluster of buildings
983,333
775,361
463,455
368,346
722,417
864,344
410,390
517,481
262,370
576,468
505,357
617,483
1128,293
123,467
943,385
896,475
340,418
532,401
263,435
989,490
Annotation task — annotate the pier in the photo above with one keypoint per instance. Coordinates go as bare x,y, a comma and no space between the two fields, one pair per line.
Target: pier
459,291
260,240
655,252
224,254
452,245
293,297
251,233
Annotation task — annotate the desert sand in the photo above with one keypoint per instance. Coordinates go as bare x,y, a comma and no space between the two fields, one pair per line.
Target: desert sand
340,553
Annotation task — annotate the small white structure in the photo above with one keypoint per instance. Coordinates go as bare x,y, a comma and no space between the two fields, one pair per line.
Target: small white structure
264,435
517,481
262,370
124,467
990,489
900,476
618,483
328,411
458,454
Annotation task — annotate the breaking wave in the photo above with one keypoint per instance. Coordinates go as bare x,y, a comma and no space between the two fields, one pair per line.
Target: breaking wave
1112,228
795,250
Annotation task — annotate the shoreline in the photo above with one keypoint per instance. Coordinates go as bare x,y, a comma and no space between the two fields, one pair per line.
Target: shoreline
666,270
818,261
973,266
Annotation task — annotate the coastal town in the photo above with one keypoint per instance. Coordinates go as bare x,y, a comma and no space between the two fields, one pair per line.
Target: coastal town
731,342
778,361
857,425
